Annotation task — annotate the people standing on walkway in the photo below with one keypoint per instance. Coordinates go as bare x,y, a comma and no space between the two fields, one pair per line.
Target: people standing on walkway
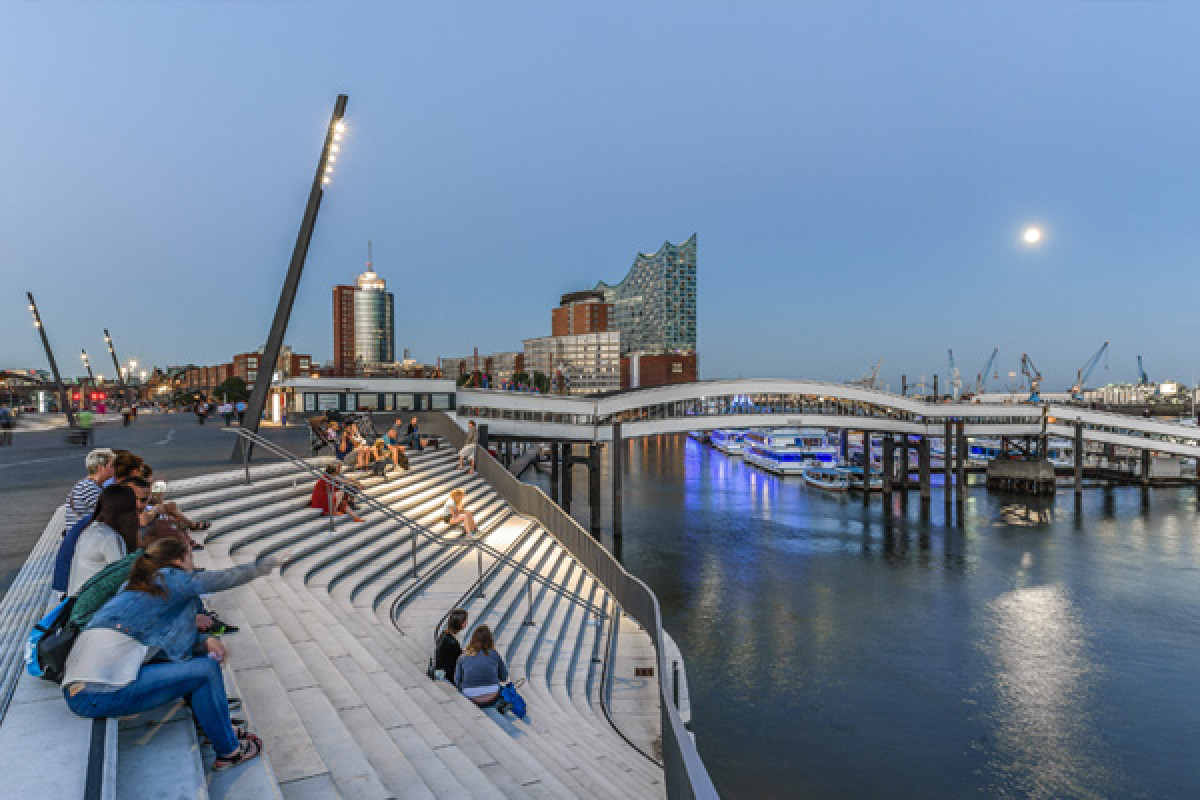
106,674
111,535
8,421
240,407
445,656
481,670
201,411
226,411
467,452
454,512
81,500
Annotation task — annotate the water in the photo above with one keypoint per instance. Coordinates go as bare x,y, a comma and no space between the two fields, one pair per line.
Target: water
1033,653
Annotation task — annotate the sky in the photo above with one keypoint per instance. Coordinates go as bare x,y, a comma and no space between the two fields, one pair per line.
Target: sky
858,175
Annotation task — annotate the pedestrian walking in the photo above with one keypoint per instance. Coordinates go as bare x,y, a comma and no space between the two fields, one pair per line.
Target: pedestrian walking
8,421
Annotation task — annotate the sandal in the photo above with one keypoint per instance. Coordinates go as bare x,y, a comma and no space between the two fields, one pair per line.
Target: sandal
251,747
199,526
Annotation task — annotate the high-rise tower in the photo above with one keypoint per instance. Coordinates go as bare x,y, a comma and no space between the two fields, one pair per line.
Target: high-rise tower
363,323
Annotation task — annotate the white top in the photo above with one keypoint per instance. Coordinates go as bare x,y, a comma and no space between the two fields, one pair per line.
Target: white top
98,546
450,509
105,656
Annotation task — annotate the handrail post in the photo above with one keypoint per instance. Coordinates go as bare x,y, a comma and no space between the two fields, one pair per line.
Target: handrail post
529,599
479,559
245,458
329,504
414,550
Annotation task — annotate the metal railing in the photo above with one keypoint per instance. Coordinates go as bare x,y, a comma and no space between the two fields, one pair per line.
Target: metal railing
333,483
683,769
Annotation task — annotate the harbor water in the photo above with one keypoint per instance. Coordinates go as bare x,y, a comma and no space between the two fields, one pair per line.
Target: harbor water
1036,651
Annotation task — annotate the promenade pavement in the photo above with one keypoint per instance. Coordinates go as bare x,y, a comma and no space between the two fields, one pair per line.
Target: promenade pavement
37,471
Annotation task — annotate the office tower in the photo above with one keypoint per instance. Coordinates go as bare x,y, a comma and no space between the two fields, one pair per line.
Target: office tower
363,324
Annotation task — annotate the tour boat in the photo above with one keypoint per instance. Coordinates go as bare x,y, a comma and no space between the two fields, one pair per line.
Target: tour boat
827,477
874,481
788,450
699,436
728,442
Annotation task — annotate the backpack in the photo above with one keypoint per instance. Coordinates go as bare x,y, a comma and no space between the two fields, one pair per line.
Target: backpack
50,643
509,694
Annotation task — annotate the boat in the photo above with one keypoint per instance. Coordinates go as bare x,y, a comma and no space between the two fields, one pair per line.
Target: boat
788,450
728,442
874,482
699,436
829,478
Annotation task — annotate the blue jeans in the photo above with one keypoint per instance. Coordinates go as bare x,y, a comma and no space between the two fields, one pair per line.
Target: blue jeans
198,679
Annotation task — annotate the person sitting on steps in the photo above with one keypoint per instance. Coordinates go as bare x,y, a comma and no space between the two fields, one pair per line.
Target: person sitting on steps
467,451
329,495
445,657
454,512
481,670
107,674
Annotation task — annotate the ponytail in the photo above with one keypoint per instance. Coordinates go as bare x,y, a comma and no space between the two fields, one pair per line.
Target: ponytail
162,553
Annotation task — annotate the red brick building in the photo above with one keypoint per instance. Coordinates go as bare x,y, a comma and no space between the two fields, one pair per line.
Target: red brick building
658,370
581,312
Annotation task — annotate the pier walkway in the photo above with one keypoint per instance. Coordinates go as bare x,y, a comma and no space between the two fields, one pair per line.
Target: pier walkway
331,656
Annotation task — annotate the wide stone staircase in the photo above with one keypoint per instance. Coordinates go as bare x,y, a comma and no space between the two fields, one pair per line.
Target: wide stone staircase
330,660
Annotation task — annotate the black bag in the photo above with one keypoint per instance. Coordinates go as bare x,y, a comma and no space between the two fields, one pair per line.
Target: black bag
47,656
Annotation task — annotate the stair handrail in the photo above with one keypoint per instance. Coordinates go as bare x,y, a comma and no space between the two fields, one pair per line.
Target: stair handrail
683,770
257,440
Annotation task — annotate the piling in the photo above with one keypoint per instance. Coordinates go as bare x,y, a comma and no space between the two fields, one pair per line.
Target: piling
594,488
923,472
614,466
1078,458
889,469
554,450
947,463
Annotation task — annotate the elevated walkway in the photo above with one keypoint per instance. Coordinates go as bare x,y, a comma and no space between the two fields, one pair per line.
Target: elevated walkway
331,656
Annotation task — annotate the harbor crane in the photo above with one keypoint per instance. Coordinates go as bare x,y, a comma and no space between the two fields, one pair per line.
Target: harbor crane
1085,371
981,377
871,379
1030,371
955,378
1143,378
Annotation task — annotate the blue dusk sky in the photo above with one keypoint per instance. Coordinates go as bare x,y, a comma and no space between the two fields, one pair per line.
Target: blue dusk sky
858,173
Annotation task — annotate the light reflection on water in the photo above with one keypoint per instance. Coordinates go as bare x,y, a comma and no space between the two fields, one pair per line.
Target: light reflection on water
1035,651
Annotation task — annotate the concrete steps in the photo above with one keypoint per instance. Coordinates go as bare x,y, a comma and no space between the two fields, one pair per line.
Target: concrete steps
339,694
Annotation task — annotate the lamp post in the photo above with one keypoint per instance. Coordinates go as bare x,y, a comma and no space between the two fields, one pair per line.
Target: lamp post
87,401
283,311
116,365
64,401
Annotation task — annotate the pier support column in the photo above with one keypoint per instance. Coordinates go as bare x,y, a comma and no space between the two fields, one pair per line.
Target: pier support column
844,445
866,468
923,471
483,436
1145,468
889,468
1078,458
594,488
905,444
568,465
947,462
554,449
614,465
960,462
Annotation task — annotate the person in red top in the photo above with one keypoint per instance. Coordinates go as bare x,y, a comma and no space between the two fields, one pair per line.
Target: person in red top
332,501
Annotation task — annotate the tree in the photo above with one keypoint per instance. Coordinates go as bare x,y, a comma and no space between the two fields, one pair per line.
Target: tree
520,378
541,382
232,390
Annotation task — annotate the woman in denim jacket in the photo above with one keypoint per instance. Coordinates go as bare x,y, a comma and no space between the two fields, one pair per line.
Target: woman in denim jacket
110,672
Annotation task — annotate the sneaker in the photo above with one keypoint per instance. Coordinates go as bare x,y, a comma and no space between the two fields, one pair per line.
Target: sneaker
502,706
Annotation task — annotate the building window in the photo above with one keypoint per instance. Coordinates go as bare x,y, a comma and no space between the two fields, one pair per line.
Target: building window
328,402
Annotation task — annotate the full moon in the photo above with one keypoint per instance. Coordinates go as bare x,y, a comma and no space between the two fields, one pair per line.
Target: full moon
1032,235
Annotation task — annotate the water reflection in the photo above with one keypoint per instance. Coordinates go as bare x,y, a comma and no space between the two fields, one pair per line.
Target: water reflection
1045,745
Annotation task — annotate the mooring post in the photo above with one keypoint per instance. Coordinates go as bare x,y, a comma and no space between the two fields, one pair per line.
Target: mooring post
614,466
568,464
594,488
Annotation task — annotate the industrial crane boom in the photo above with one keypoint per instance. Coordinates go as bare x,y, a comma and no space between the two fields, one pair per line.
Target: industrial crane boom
1085,372
981,378
1030,371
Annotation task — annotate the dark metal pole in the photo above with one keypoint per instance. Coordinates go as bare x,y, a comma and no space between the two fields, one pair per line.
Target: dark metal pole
554,450
1078,458
594,488
889,470
116,365
283,311
866,468
947,463
924,474
63,399
960,461
87,399
568,467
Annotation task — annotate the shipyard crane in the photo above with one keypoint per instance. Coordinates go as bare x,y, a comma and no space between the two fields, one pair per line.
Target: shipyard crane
955,377
1143,378
981,377
1085,371
1030,371
871,379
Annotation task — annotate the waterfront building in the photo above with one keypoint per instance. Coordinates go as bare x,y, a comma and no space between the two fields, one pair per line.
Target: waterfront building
582,363
243,365
497,367
307,394
363,324
581,312
654,306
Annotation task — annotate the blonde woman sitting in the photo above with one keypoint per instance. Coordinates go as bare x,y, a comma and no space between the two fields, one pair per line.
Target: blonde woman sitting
454,512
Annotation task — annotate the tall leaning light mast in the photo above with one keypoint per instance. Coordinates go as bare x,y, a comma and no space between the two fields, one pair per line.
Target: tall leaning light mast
64,401
283,312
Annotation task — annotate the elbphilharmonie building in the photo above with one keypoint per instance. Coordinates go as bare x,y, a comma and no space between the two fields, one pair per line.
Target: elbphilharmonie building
654,307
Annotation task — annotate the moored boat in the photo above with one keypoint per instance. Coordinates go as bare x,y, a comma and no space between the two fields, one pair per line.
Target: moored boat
787,451
727,441
829,478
